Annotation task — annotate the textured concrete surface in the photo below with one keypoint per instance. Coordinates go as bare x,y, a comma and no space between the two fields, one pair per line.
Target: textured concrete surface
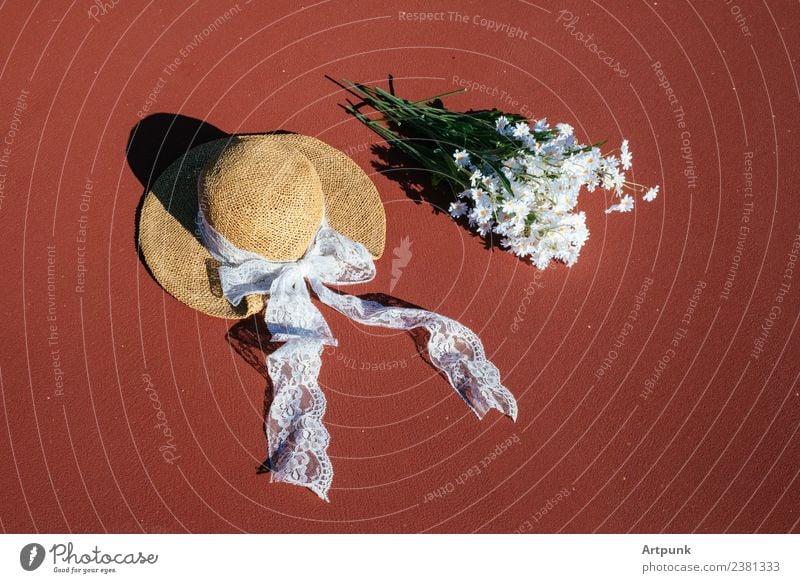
656,379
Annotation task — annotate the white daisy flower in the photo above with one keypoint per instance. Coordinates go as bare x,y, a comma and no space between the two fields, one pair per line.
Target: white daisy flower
480,197
516,208
501,124
483,230
593,158
651,194
625,155
542,260
564,129
521,130
529,141
461,157
619,182
625,205
458,209
489,183
610,162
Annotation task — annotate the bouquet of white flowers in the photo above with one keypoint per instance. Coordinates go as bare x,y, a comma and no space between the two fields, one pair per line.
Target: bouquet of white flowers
516,179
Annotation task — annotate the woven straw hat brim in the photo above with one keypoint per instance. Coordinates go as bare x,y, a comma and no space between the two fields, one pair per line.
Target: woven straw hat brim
180,263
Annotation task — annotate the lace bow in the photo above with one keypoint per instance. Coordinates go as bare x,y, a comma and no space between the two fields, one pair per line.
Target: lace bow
297,438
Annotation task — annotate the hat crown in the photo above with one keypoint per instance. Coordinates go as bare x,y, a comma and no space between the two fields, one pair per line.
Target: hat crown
264,197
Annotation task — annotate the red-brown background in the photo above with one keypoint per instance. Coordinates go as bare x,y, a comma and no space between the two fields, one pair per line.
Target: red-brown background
713,449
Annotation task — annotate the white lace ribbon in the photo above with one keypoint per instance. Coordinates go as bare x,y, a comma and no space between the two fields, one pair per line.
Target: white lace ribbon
297,438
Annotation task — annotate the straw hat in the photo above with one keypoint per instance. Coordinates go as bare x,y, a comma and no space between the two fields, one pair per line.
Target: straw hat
265,194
